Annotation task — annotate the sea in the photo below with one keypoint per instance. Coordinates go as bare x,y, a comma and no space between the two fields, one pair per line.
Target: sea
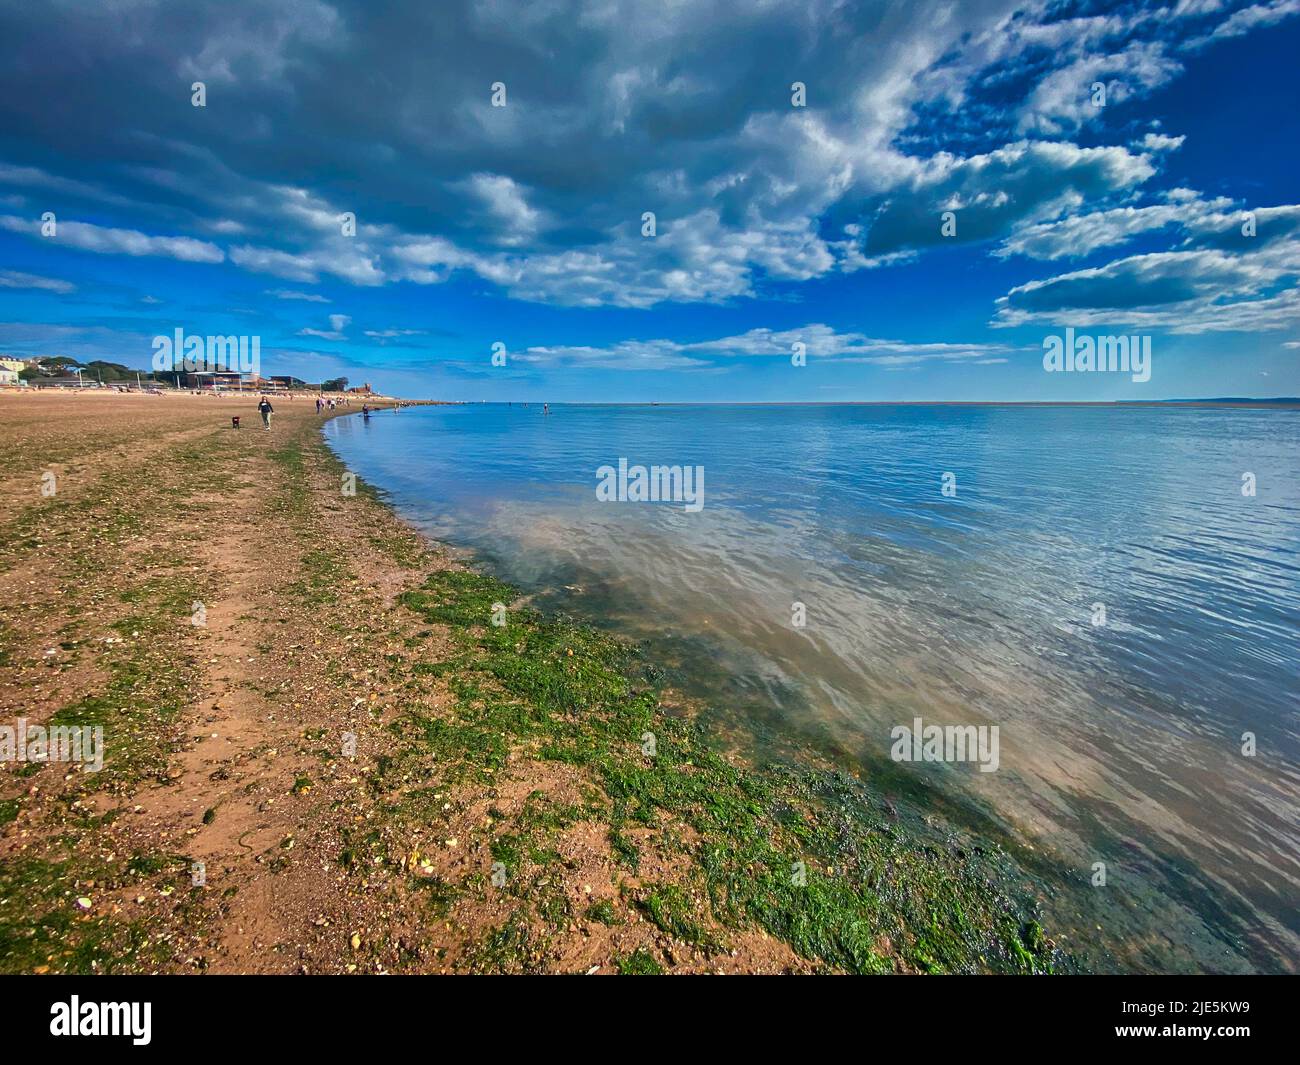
1116,589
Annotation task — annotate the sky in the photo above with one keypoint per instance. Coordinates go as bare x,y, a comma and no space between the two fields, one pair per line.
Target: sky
911,195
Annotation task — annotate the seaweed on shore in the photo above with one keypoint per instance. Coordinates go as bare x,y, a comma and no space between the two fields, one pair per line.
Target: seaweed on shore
797,850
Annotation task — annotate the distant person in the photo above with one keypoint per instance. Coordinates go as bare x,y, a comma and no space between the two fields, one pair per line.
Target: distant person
319,404
546,408
265,410
365,411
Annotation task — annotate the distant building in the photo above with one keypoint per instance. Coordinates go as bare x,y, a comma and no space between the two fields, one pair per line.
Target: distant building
230,379
363,390
8,376
296,384
8,362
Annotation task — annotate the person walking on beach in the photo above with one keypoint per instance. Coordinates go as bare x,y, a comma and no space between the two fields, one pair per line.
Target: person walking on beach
319,403
265,410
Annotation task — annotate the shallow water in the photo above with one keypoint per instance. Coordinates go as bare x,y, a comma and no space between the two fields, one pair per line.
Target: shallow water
1119,742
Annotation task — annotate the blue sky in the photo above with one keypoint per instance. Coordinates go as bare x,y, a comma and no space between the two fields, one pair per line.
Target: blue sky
775,224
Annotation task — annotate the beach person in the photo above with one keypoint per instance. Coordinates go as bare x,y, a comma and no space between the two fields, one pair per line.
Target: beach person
365,411
265,410
319,403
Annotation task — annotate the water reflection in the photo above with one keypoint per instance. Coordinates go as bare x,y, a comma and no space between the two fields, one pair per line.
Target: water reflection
1121,743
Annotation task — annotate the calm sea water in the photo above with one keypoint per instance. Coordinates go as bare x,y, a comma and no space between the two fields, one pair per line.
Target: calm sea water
1119,743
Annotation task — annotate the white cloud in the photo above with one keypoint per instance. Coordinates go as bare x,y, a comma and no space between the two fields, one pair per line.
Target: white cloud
394,334
341,257
1160,142
1250,18
18,279
1064,100
1196,291
818,340
290,294
338,324
1081,234
86,236
993,193
509,219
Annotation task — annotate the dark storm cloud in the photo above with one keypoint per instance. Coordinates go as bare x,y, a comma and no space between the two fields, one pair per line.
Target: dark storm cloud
615,109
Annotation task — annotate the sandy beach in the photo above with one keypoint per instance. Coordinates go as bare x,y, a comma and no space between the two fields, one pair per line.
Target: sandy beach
322,756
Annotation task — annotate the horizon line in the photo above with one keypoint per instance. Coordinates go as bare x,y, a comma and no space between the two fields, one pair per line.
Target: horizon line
1214,401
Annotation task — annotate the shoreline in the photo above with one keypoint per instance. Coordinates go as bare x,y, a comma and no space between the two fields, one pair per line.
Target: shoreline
504,810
